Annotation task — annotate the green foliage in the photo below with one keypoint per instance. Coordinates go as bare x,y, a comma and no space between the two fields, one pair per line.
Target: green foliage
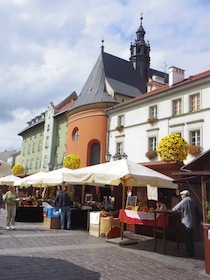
208,209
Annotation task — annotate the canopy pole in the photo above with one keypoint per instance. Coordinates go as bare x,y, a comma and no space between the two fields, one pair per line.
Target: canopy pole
123,207
204,199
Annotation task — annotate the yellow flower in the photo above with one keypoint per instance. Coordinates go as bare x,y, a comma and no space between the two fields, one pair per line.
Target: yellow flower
71,161
17,169
173,147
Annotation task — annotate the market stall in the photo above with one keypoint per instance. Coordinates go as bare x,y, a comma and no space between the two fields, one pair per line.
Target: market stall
141,218
30,213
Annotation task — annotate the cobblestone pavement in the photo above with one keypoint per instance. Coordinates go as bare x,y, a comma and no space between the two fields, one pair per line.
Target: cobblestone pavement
32,251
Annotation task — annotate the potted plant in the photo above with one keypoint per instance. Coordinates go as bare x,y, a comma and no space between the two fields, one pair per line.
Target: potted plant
195,150
206,228
173,148
151,154
208,210
152,120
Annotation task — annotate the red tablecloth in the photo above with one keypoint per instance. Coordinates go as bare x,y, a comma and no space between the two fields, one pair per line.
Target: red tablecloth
142,218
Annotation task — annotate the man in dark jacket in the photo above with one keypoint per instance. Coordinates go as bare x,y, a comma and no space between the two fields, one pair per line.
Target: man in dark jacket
62,201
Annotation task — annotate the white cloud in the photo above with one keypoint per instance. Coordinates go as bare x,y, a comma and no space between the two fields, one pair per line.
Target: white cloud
48,48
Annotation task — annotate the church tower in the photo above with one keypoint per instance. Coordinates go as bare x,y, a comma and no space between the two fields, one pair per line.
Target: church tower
140,53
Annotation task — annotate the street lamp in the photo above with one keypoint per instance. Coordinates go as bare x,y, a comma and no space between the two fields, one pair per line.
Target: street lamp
115,157
108,157
124,155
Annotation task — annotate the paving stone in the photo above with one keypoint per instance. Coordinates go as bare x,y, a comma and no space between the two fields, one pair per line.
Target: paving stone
34,252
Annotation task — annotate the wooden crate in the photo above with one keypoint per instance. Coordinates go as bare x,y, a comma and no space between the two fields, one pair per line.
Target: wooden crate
51,223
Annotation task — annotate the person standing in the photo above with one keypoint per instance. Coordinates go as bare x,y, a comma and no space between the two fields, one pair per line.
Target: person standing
187,208
10,200
62,201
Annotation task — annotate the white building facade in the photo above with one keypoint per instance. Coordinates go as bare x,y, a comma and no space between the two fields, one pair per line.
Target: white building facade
137,126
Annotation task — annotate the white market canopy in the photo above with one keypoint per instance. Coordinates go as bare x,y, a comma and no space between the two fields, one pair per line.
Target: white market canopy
9,180
35,179
56,177
123,172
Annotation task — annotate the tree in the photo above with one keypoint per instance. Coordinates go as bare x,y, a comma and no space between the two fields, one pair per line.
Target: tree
17,169
173,148
71,161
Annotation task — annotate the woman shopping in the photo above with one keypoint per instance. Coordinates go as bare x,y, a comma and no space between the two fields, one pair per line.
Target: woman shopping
10,201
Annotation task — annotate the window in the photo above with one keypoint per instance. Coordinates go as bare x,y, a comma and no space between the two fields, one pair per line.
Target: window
58,140
34,147
195,138
40,145
95,153
152,144
153,112
121,120
32,164
37,163
119,148
56,159
177,107
75,134
29,149
47,142
45,162
195,102
48,127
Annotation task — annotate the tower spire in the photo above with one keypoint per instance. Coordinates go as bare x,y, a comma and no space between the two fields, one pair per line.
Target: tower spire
102,45
140,52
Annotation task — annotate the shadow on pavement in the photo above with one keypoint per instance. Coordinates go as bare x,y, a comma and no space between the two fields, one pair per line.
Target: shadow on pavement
171,248
13,267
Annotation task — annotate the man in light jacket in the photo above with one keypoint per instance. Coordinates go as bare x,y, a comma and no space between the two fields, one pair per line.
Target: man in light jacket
187,207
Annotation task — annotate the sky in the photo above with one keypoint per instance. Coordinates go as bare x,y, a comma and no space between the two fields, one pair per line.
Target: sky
49,47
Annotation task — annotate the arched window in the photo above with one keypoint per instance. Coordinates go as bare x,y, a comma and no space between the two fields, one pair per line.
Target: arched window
95,153
75,134
34,148
45,162
32,164
37,163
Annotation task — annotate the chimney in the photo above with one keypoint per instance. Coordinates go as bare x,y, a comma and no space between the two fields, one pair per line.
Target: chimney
176,75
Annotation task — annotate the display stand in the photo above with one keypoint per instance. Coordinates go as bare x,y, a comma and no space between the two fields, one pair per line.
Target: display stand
107,224
163,230
29,214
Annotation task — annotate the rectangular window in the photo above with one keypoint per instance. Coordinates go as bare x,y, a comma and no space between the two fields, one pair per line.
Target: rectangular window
119,148
121,120
58,140
152,144
153,112
195,102
195,138
177,107
47,142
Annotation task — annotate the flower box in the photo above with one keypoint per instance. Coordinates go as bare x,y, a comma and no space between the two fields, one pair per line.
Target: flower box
152,120
119,127
195,150
151,154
